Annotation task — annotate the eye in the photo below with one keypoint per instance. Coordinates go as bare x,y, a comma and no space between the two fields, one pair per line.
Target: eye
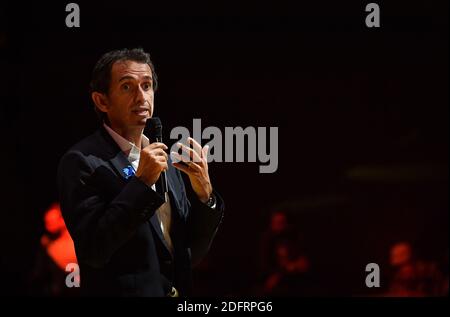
147,86
125,87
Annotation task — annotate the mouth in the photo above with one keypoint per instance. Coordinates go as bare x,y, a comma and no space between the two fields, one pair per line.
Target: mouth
141,112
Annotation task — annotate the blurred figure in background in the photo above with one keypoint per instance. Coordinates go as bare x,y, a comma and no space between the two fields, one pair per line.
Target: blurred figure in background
56,251
283,262
413,277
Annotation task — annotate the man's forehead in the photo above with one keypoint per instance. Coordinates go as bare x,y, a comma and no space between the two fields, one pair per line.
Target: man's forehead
130,68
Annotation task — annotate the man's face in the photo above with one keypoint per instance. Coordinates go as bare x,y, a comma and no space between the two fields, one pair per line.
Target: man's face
130,97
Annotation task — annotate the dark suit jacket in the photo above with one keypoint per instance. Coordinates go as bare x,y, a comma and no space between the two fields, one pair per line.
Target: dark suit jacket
111,218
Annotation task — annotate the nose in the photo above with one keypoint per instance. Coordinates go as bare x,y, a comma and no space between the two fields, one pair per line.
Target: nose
140,96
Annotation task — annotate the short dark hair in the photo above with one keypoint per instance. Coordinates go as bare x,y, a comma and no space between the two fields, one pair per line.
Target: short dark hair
101,74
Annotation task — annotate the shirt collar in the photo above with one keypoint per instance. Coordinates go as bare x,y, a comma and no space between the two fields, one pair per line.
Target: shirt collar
131,151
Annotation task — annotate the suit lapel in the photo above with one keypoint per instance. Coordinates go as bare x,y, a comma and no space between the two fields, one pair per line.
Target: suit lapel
121,164
116,157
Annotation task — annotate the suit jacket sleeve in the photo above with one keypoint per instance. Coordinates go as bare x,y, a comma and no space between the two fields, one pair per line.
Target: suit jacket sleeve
203,223
100,226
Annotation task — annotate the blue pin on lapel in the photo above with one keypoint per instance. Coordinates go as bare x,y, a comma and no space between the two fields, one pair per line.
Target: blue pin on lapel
128,171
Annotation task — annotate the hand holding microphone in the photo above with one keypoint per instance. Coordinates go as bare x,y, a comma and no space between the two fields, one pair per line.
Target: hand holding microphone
152,163
153,160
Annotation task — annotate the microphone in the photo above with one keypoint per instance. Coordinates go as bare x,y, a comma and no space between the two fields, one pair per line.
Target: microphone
154,131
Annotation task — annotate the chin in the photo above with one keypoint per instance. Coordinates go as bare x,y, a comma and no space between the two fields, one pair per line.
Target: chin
141,122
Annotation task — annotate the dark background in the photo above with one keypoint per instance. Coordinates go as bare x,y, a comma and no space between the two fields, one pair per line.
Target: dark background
362,116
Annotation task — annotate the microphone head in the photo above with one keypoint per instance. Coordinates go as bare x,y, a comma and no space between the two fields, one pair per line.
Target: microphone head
154,128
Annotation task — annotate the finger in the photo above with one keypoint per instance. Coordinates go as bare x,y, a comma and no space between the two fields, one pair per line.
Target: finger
161,160
182,167
195,157
194,167
191,169
156,153
159,152
197,147
156,145
176,158
205,152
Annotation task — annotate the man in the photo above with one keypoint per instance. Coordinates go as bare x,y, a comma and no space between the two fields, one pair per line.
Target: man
128,240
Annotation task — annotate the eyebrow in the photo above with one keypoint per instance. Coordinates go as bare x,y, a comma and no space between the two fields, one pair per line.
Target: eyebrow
133,78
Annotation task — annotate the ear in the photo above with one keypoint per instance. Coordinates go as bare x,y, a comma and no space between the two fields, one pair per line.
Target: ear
100,100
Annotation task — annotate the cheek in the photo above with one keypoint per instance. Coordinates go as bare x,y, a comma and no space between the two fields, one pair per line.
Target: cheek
120,105
150,99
